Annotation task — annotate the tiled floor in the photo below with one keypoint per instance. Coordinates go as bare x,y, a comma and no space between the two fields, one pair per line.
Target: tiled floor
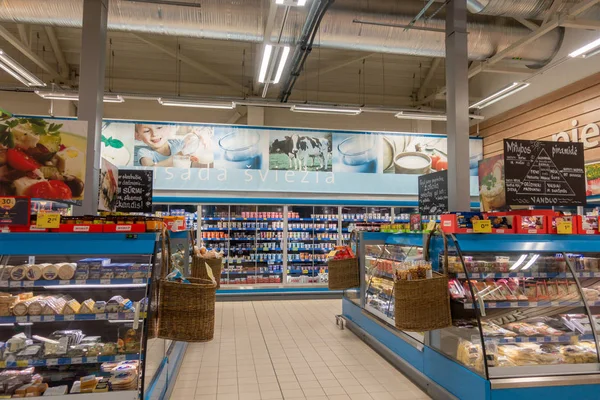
287,350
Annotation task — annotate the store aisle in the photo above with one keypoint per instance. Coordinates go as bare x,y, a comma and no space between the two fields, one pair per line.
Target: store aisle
287,350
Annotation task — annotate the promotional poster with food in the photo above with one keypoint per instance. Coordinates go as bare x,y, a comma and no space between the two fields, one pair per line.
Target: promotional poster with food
43,159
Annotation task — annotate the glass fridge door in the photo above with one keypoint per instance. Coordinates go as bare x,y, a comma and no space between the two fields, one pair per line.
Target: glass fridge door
242,267
269,244
214,233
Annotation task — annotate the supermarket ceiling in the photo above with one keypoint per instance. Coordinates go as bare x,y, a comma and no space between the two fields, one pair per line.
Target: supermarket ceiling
365,52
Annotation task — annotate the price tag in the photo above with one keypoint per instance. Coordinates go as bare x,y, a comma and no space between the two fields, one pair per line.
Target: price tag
52,361
48,220
431,225
504,275
21,319
76,360
64,282
514,304
305,271
15,283
100,317
91,360
491,304
123,228
120,357
69,317
113,316
35,318
49,318
482,226
138,280
22,363
31,260
81,228
533,304
105,281
265,249
539,339
564,228
543,274
2,364
3,283
27,283
585,274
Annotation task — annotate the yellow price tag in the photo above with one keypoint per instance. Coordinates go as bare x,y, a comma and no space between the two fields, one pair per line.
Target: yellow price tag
564,228
2,364
48,220
431,225
305,271
482,226
22,363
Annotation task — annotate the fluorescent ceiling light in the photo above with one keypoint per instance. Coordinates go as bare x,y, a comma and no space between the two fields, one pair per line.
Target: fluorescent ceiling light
583,51
519,262
18,72
278,1
225,105
73,96
282,60
326,110
501,94
265,63
299,3
530,262
273,62
420,116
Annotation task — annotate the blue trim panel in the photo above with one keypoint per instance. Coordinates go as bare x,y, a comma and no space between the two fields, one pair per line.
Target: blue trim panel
32,244
458,380
579,392
286,290
410,354
524,243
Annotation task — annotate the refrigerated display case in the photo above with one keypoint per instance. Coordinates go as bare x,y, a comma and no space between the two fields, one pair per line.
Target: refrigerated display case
73,313
525,314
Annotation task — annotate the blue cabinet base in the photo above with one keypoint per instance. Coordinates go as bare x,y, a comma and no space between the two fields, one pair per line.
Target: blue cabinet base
442,378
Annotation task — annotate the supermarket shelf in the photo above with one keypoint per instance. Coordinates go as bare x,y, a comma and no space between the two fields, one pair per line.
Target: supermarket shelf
233,273
380,274
73,317
312,219
242,229
40,283
48,362
313,230
215,239
308,249
530,304
240,219
539,339
302,271
304,261
489,275
114,395
266,249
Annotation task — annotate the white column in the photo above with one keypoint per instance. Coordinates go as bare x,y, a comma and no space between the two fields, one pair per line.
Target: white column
91,92
420,126
457,105
256,116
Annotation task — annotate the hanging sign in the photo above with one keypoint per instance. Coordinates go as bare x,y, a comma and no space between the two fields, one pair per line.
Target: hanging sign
433,193
134,191
544,173
14,210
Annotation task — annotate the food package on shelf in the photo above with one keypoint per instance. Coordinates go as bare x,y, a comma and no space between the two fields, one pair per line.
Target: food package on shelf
66,271
17,343
73,336
21,307
522,328
49,272
6,303
591,294
55,305
99,307
579,354
491,329
5,272
19,272
57,391
72,307
87,307
34,272
470,354
341,253
119,304
87,384
36,306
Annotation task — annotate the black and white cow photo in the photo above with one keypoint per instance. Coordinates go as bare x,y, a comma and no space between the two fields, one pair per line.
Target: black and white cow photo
301,151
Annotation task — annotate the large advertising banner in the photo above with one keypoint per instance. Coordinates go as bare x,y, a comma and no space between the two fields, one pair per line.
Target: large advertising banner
42,158
263,159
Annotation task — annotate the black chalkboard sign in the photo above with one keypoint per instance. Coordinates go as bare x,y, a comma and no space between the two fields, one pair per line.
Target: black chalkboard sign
135,191
544,173
14,210
433,193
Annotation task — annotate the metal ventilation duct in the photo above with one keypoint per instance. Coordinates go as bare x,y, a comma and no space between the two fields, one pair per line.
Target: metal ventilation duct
531,9
243,20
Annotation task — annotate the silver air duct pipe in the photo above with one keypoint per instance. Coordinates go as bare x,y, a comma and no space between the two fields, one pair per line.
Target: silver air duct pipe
244,21
530,9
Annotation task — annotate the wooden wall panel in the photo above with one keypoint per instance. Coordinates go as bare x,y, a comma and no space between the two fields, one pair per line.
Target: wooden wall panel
546,116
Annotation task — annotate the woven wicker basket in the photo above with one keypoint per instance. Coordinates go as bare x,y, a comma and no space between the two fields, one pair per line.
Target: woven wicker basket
344,274
199,268
186,312
422,304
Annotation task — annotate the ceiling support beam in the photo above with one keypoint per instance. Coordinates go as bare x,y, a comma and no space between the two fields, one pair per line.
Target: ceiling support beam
430,74
58,53
23,35
531,25
552,10
554,23
334,67
195,64
238,114
507,70
420,14
27,52
581,24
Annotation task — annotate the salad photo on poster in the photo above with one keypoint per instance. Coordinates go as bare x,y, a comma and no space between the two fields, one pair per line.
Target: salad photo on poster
43,159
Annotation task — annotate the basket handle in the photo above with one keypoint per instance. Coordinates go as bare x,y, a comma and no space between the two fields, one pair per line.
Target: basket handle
192,239
166,265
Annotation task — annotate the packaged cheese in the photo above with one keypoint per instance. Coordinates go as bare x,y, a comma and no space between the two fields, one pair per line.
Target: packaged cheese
5,272
20,309
54,306
19,272
66,271
36,307
99,307
34,272
72,307
49,272
87,307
